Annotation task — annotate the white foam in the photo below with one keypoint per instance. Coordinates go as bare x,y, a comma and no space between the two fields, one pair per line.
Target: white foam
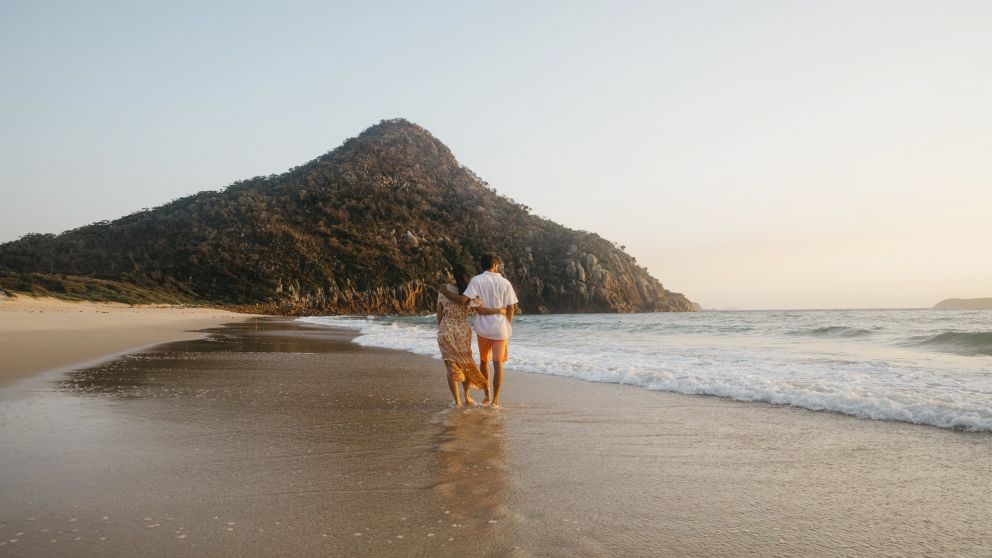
742,356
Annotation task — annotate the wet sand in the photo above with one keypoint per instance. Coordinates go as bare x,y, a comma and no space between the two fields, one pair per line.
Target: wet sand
38,334
280,439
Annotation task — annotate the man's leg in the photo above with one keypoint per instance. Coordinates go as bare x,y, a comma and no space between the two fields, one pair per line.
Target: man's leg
484,368
499,357
497,380
485,349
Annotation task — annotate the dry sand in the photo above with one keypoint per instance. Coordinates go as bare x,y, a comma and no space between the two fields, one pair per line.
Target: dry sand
272,438
38,334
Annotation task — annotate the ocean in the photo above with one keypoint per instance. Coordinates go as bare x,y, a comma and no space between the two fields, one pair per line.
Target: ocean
930,367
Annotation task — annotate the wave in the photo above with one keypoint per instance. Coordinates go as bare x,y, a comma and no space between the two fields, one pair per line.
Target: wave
866,389
834,331
851,402
960,342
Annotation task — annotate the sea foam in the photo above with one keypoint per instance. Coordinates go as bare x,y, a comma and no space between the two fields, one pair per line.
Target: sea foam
866,368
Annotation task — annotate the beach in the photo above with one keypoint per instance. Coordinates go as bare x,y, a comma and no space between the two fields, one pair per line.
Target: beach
38,334
275,437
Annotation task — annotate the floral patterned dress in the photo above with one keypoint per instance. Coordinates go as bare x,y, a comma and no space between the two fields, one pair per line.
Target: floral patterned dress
454,337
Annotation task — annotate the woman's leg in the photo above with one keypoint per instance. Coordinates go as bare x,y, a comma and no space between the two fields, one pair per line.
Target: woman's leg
468,396
453,385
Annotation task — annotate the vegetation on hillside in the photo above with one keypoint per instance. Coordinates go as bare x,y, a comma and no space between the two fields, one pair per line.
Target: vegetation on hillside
371,227
81,288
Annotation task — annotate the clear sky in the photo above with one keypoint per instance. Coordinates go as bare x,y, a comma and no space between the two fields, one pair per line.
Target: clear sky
791,154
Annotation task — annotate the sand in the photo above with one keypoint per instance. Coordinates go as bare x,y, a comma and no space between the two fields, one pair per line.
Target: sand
38,334
274,438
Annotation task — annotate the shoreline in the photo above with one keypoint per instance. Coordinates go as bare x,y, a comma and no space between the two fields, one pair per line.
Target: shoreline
275,437
85,334
791,370
41,334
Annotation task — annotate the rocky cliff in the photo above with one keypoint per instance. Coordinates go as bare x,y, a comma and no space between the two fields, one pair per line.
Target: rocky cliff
371,227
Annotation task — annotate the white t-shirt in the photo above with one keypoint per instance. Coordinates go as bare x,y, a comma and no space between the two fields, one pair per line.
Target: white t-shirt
495,292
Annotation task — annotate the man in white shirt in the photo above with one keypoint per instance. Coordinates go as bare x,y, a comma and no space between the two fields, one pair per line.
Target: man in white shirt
493,331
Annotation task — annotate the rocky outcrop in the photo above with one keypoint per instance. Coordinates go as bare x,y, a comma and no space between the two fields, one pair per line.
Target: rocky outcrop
372,227
609,282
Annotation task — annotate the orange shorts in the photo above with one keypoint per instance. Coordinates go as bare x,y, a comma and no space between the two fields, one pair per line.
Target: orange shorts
494,347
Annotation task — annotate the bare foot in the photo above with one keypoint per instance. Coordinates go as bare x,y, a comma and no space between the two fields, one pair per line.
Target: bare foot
495,405
456,404
469,400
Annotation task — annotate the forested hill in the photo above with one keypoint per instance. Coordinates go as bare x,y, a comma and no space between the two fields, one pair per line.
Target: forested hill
371,227
964,304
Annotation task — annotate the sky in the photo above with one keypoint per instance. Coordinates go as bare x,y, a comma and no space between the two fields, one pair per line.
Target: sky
787,154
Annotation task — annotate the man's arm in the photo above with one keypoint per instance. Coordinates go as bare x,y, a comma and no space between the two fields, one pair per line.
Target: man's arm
512,307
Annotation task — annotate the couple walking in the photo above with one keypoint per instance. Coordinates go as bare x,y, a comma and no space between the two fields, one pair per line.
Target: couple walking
492,298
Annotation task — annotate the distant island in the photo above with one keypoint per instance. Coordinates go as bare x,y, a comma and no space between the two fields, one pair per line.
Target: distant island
964,304
371,227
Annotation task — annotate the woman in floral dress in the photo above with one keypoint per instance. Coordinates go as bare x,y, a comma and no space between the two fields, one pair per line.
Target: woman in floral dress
454,337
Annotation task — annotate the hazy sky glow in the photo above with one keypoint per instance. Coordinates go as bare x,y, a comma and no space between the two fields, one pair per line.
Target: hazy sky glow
750,154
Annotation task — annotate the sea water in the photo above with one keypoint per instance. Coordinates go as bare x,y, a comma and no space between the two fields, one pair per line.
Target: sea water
922,366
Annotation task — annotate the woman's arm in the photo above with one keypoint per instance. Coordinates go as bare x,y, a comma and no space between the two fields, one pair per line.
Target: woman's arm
455,297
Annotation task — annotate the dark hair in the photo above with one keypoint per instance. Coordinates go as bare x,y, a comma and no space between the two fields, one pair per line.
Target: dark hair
462,276
488,260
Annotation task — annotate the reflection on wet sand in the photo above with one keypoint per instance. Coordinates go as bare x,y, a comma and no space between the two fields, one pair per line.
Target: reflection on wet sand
474,487
175,365
474,482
